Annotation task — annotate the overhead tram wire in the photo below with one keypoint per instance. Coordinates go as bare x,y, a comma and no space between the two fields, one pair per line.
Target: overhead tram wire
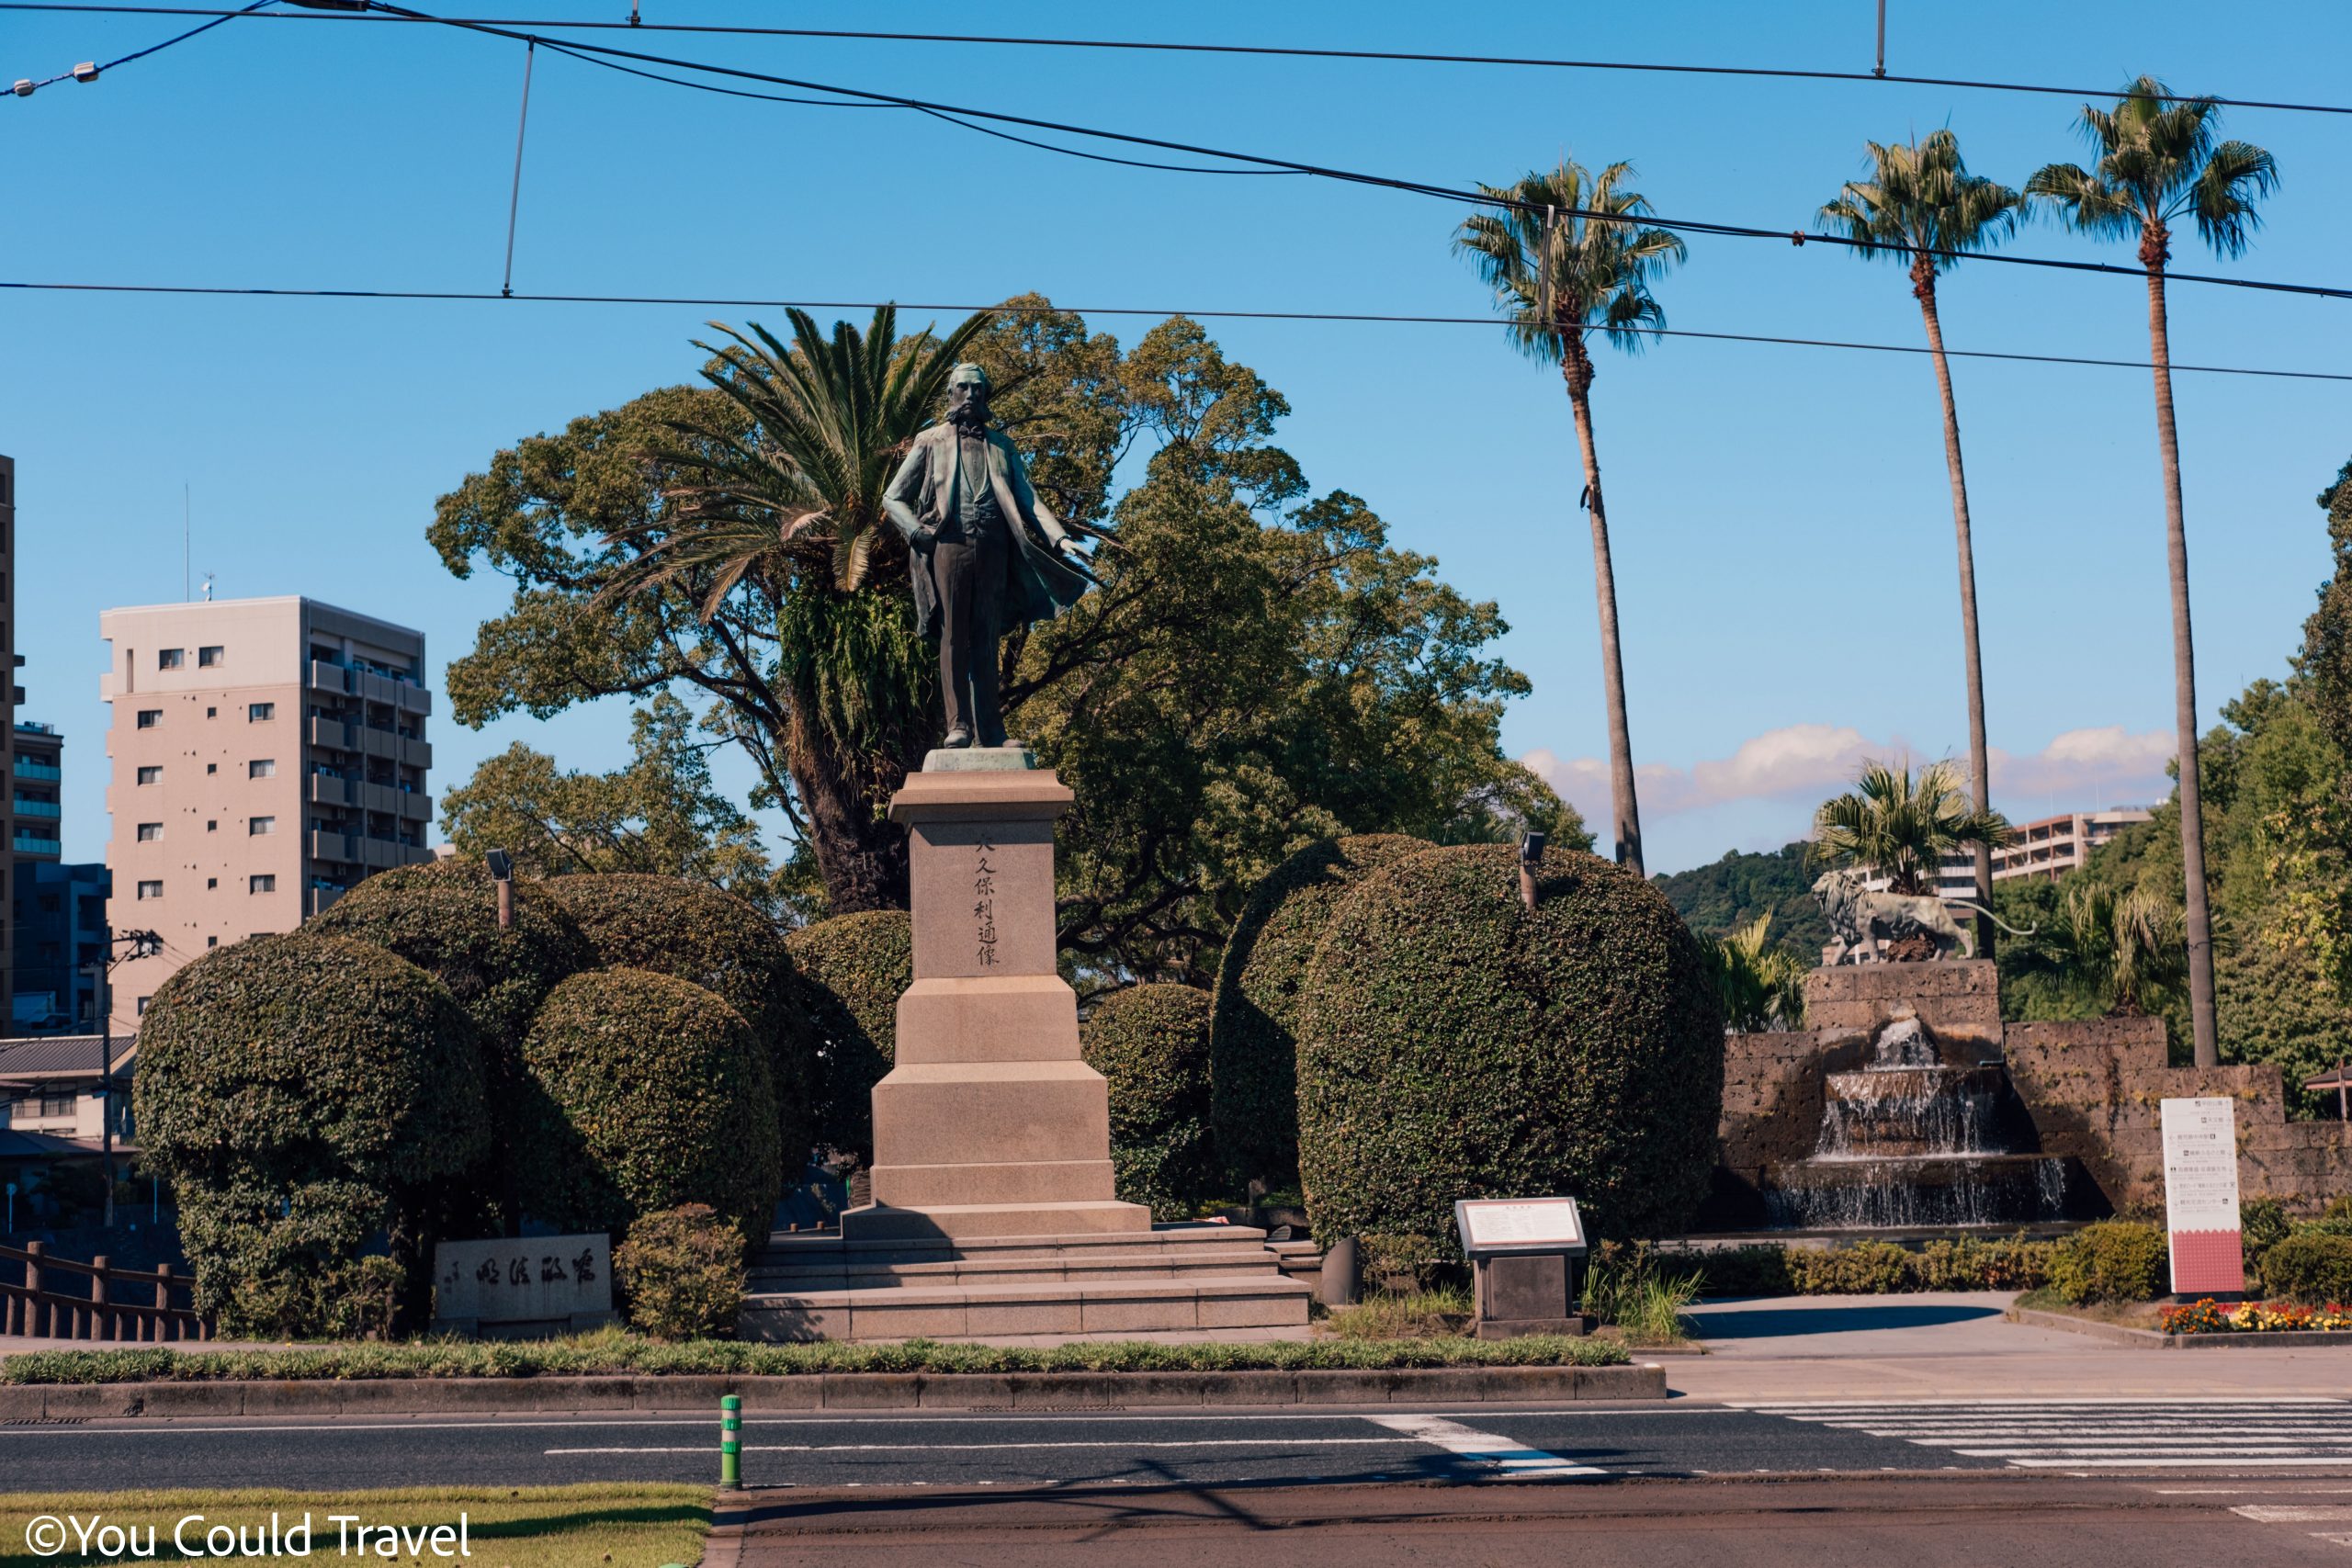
1800,237
27,88
1145,46
1341,317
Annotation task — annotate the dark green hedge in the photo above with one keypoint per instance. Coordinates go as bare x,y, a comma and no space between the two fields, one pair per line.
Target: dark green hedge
443,918
1453,1043
850,973
2310,1267
644,1093
304,1096
694,931
1152,1043
1252,1048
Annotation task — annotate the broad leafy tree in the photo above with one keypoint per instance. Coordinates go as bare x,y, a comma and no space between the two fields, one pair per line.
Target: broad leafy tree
1901,825
2159,163
1568,255
1923,207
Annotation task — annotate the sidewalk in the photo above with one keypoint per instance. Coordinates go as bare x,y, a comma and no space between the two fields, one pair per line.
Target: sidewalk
1957,1345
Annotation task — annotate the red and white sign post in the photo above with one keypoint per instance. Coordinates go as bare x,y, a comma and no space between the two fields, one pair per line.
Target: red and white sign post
2201,1196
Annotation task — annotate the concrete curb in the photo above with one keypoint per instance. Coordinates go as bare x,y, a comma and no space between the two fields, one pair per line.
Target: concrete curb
828,1390
2153,1339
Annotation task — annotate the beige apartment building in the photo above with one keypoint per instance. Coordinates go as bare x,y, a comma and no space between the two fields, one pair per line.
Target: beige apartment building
2048,848
267,754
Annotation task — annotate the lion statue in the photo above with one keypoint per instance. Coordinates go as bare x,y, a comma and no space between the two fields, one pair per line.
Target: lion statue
1861,918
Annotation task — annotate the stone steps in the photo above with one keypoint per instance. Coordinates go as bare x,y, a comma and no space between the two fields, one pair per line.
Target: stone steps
1180,1278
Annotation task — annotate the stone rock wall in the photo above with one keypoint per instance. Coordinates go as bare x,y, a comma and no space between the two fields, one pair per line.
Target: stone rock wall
2092,1089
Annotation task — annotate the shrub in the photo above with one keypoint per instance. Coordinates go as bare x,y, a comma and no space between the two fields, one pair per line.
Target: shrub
1152,1043
2114,1260
305,1097
694,931
1760,1270
645,1093
681,1271
2262,1225
1253,1048
850,973
1864,1268
2310,1267
1453,1043
443,918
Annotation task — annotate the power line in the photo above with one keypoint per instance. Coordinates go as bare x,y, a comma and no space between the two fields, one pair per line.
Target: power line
25,89
711,302
1471,198
1160,47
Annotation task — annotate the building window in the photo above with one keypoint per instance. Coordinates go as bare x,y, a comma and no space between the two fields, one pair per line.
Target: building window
211,825
143,1005
262,768
256,712
150,718
206,658
209,713
260,883
56,1104
210,883
150,831
151,775
211,767
212,941
170,658
257,825
151,890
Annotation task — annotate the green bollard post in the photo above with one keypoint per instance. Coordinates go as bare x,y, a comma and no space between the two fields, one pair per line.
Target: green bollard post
731,1441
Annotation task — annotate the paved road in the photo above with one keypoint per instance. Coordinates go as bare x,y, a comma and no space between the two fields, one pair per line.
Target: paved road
1971,1521
2286,1436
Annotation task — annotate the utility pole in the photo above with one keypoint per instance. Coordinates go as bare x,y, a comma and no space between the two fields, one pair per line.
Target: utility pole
142,944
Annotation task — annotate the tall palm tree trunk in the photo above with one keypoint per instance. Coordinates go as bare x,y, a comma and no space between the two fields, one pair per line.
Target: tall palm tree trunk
1627,808
2198,921
861,856
1980,783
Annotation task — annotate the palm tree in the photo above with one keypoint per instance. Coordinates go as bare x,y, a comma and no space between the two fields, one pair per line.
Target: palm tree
2119,948
1565,255
1901,826
2158,162
784,498
1762,987
1923,204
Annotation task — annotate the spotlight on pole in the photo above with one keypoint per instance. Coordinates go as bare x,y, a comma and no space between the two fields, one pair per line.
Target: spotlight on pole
502,871
1530,855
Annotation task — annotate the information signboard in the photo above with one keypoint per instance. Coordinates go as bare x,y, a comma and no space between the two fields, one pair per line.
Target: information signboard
2201,1196
1495,1226
565,1281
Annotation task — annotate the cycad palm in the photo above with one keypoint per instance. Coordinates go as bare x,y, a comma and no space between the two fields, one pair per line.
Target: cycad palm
1901,826
2158,162
2122,947
793,508
1761,987
1566,254
1922,205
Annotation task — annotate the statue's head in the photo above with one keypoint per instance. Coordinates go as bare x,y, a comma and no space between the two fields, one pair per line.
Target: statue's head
968,394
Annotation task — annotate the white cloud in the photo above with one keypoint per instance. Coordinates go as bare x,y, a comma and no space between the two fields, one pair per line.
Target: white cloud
1802,764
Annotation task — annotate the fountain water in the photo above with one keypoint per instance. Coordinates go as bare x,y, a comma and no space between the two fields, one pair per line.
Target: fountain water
1923,1133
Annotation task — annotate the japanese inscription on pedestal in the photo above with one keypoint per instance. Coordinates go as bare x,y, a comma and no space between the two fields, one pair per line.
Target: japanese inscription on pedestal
984,905
537,1279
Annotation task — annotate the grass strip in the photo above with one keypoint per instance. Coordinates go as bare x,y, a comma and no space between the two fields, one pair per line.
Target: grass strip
540,1527
612,1351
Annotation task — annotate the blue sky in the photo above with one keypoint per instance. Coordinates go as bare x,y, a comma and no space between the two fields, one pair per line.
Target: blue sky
1782,530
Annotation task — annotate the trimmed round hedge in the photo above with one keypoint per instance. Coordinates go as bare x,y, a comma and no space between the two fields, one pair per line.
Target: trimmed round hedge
306,1095
850,972
644,1093
1453,1043
443,918
1252,1031
696,932
1152,1043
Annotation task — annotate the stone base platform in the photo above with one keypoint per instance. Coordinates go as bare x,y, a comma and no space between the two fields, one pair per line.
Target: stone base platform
1177,1279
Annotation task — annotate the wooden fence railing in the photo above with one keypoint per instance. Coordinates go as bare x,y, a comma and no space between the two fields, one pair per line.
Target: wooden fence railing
33,1307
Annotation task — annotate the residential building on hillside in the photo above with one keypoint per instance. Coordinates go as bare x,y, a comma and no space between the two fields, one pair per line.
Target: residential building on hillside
2048,848
267,755
60,918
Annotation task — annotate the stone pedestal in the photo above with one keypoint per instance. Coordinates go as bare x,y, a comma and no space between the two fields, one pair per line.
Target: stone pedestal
1531,1294
988,1124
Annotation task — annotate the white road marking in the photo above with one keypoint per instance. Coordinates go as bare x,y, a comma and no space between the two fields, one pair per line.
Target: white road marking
993,1447
2103,1434
2285,1514
1501,1453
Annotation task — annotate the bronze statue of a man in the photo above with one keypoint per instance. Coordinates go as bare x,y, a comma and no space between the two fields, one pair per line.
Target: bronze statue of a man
984,552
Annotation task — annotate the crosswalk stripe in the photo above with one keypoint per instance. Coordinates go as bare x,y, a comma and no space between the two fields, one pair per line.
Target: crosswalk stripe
2150,1433
1503,1454
2292,1514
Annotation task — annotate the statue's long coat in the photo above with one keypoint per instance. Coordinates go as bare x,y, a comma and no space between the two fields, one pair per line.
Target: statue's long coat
1040,583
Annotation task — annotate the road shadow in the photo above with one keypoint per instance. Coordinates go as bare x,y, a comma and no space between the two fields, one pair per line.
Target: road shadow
1775,1322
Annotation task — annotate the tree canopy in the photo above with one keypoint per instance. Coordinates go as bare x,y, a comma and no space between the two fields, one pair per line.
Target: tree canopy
1260,669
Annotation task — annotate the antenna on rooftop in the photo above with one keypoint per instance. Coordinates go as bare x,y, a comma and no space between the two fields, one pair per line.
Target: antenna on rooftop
208,588
187,527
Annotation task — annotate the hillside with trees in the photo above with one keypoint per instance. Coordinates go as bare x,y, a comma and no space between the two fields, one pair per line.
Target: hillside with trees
1714,899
